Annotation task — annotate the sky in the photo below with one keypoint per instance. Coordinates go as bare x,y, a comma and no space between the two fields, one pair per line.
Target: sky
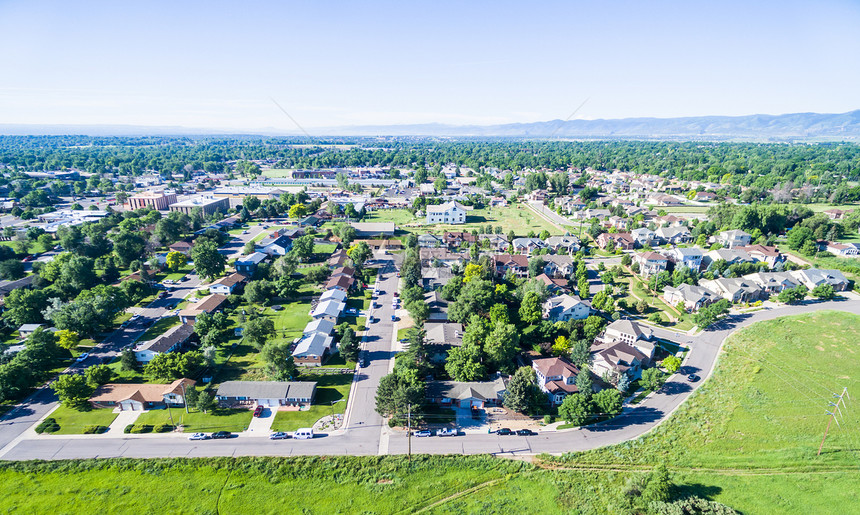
224,65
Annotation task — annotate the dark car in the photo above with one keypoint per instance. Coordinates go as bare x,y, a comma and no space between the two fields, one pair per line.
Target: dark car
526,432
221,434
258,411
504,431
693,378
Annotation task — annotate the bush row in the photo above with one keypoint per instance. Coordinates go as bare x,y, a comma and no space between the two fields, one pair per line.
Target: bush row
49,425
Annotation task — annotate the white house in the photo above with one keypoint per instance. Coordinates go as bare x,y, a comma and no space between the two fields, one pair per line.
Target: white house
562,308
650,263
171,341
527,245
734,238
227,285
328,309
643,236
447,213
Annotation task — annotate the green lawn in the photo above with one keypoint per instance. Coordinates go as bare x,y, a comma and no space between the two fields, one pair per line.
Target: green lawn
514,217
290,321
234,420
762,412
73,422
159,327
332,387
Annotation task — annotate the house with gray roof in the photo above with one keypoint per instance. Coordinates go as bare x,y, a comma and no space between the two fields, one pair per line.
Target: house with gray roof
266,393
478,394
172,340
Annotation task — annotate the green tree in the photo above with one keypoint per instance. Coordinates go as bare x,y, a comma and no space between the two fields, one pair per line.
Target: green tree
652,378
298,211
206,401
127,361
792,295
73,390
464,363
25,306
207,260
823,292
192,394
303,247
522,391
584,383
530,308
359,253
98,375
561,346
176,260
11,269
280,365
348,345
672,364
502,346
258,330
575,409
67,339
608,402
259,292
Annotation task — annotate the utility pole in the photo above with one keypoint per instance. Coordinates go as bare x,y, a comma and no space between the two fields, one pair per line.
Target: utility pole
841,398
409,431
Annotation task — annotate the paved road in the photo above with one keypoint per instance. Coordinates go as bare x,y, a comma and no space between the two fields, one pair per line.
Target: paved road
43,400
362,439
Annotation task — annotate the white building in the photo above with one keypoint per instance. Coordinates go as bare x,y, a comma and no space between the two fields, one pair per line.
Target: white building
562,308
447,213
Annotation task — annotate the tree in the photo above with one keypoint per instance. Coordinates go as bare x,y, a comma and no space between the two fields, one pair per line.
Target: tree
168,231
258,330
652,379
561,346
349,345
501,346
656,317
608,401
207,260
464,363
583,288
25,306
359,253
823,292
575,409
584,383
303,247
536,266
98,375
249,248
73,390
580,353
280,365
127,361
191,396
530,308
174,365
128,246
658,487
626,260
206,401
11,269
522,390
298,211
672,364
792,295
623,383
176,260
258,292
67,339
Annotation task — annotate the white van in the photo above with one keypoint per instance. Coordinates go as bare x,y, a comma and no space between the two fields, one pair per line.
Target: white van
305,433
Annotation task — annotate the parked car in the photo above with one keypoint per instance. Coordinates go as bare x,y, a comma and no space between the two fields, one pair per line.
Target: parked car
199,436
447,431
424,432
504,431
526,432
280,435
258,411
222,434
393,318
693,378
83,357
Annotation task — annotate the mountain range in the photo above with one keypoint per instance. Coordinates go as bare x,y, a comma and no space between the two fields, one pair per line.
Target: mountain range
757,127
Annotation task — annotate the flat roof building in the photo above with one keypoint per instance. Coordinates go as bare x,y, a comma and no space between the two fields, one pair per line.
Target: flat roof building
208,205
158,200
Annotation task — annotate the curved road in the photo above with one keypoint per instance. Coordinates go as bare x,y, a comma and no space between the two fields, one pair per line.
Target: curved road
369,436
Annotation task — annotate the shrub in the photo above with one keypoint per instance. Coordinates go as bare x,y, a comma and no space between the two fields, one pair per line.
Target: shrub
49,425
128,428
141,428
95,430
164,428
547,419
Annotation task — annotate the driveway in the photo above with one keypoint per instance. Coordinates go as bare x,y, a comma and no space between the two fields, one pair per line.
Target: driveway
262,425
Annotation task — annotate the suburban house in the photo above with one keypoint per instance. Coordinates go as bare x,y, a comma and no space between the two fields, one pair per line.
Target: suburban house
447,213
467,395
734,238
773,282
373,229
673,235
181,246
266,393
693,297
496,242
730,256
208,304
172,340
735,289
382,244
247,265
562,308
458,239
431,256
337,295
313,349
435,278
639,336
554,286
337,259
813,277
558,265
705,196
556,377
429,241
835,214
643,236
228,285
441,337
614,358
320,325
527,245
340,282
27,330
622,240
841,249
650,263
139,397
566,244
517,263
763,253
690,257
328,309
438,307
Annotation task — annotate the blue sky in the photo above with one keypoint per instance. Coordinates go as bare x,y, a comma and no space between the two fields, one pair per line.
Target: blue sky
218,64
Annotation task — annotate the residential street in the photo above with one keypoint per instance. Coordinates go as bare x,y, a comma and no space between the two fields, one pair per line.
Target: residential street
366,435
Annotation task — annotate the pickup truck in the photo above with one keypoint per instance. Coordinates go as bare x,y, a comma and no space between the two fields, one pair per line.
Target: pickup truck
447,431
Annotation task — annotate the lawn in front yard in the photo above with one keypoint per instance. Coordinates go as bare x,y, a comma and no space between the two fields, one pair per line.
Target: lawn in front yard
291,320
514,217
158,328
73,422
331,387
234,420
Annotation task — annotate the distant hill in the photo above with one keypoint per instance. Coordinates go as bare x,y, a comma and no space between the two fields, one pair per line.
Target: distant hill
757,127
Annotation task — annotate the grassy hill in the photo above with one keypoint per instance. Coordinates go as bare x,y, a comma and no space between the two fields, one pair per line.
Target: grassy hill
747,438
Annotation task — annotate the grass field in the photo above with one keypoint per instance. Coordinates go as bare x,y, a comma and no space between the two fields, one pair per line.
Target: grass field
219,420
514,217
158,328
73,422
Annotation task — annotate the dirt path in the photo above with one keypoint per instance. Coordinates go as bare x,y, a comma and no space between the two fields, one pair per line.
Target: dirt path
708,470
468,491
